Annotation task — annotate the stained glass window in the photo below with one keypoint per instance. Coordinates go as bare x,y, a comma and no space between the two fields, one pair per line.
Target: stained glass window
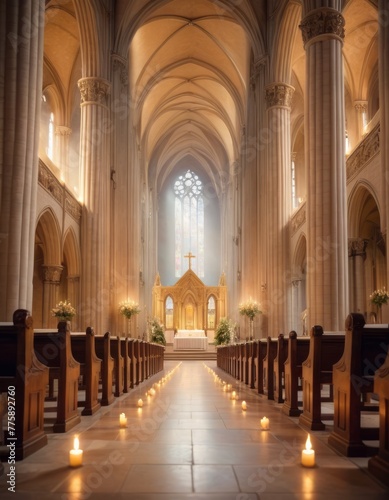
189,223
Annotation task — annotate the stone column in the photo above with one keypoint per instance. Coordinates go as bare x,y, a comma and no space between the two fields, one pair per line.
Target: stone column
278,99
62,135
95,185
357,256
21,62
327,266
383,71
51,282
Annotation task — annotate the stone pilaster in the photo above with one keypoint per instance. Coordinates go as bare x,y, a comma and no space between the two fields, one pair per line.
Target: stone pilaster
95,178
327,265
62,136
21,62
357,256
51,282
360,115
278,98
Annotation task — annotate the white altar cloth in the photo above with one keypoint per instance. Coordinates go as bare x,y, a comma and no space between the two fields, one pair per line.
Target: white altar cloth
190,333
190,343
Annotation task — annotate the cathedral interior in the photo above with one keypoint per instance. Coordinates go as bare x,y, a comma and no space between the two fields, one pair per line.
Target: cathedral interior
189,156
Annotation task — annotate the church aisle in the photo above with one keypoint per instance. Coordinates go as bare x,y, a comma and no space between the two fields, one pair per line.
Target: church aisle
191,441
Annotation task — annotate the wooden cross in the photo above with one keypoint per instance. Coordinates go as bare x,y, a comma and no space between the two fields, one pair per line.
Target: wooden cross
190,256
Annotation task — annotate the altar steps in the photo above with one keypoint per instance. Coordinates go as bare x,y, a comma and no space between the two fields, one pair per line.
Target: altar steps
190,354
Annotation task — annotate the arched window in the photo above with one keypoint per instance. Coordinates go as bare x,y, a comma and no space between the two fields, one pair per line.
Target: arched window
211,313
189,223
169,313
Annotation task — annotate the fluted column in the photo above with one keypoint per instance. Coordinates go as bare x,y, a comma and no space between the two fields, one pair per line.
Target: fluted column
357,256
95,185
21,60
327,266
278,99
383,63
51,282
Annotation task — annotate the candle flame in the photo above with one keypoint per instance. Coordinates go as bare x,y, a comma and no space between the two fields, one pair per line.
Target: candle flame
308,445
76,443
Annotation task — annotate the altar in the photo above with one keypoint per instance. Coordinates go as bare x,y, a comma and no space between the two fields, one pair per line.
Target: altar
190,339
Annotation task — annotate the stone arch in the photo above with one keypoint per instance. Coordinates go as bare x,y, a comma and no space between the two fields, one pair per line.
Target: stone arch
367,249
47,268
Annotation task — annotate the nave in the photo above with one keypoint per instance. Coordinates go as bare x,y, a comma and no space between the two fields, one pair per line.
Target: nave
191,441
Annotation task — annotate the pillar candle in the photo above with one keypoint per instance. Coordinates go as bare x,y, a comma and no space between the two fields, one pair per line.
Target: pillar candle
308,455
75,455
123,420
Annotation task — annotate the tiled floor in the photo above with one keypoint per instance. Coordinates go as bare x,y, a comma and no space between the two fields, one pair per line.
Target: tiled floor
191,441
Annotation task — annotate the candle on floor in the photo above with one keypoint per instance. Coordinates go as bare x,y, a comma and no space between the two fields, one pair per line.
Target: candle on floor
140,403
75,455
244,405
123,420
308,455
264,423
233,395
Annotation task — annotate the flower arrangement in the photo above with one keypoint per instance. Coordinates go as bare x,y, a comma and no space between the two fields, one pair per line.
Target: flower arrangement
157,335
129,308
64,310
225,332
379,297
249,308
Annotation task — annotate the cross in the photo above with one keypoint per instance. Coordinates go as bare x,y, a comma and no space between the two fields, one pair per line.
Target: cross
190,256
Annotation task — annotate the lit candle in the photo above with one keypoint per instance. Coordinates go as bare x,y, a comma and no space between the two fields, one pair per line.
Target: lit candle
229,387
123,420
75,455
233,395
308,455
264,423
244,405
140,403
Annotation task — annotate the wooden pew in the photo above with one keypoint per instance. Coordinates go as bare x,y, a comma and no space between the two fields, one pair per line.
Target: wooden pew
139,361
268,365
25,380
126,364
118,366
103,351
83,349
279,368
379,464
365,350
258,365
246,361
54,350
133,362
160,350
251,364
298,350
325,350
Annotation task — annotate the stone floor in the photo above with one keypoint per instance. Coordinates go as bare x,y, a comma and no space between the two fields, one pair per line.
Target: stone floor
191,441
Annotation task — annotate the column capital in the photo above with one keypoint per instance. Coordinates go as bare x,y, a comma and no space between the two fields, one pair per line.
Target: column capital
63,130
257,68
360,106
357,247
120,64
52,274
279,94
93,90
324,23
